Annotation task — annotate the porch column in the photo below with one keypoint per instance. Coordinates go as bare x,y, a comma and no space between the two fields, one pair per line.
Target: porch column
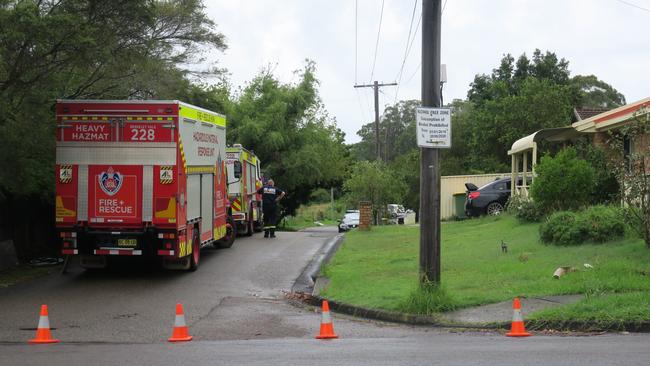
513,179
523,175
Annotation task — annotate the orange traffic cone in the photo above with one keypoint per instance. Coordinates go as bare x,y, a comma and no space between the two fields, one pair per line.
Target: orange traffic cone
326,326
518,329
43,334
181,333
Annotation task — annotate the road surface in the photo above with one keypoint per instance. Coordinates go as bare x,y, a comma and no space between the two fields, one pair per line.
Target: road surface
237,313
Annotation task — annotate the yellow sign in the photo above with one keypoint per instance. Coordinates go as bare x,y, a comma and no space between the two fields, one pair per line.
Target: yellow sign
129,243
202,115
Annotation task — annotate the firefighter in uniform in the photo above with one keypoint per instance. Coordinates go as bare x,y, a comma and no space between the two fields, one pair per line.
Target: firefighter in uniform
270,197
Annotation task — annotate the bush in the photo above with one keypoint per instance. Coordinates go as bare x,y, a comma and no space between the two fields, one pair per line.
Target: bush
606,188
596,224
563,228
603,223
320,195
524,209
563,183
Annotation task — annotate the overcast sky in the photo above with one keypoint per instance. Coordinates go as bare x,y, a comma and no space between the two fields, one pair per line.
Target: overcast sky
607,38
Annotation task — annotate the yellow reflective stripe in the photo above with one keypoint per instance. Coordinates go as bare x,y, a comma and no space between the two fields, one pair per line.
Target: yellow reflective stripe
200,169
220,232
180,146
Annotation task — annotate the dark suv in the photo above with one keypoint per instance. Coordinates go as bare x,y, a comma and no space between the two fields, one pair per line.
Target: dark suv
490,199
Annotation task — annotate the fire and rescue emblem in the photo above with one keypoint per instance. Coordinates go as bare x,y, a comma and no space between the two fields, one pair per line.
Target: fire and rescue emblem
110,181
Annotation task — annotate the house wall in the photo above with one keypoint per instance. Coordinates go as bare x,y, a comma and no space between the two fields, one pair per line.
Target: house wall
639,145
456,184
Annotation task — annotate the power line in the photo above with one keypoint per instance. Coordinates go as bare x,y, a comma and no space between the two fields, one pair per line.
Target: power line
406,49
368,107
361,109
374,62
414,72
408,39
633,5
409,50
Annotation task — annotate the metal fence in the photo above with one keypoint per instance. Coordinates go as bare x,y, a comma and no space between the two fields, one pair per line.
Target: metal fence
456,184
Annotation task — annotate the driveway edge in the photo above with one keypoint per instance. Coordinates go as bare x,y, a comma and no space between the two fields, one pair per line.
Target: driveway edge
306,280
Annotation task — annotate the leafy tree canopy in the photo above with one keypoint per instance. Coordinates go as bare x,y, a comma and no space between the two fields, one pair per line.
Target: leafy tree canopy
375,182
75,49
288,128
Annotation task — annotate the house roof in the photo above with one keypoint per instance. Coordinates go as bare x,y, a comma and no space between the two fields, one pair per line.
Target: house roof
548,134
584,113
615,117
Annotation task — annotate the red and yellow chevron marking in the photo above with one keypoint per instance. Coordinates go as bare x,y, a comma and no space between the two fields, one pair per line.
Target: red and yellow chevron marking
180,146
236,204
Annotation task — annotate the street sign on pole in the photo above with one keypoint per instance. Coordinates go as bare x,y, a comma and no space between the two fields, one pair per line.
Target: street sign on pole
433,127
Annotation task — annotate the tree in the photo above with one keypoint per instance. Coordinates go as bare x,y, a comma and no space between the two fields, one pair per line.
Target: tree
407,171
594,93
85,49
288,128
74,49
521,97
498,123
375,182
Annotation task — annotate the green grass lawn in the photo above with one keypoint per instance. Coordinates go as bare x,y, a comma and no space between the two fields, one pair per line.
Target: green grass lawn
379,268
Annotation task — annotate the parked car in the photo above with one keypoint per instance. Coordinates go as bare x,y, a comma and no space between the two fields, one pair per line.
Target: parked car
396,214
489,199
349,221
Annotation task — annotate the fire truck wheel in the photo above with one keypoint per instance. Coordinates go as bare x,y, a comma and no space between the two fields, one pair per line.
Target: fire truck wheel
231,232
195,257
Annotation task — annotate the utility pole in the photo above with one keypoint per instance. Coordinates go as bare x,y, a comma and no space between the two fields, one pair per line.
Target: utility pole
376,86
429,158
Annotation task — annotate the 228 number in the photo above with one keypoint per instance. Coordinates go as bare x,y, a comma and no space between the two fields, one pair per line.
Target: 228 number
143,134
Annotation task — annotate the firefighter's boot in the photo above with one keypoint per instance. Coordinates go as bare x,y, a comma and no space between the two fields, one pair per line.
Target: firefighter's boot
266,233
273,233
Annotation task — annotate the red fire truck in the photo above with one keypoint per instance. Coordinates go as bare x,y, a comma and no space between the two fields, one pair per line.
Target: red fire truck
140,178
244,178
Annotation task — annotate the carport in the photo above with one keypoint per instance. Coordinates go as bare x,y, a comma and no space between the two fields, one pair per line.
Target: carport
524,155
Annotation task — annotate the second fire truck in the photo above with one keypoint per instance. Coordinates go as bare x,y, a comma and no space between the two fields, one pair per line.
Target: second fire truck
244,178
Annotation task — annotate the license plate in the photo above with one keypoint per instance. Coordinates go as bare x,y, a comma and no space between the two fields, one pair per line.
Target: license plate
129,243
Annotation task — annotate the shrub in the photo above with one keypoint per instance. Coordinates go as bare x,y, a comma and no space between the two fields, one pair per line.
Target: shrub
524,209
563,228
563,183
603,223
320,195
606,188
595,224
